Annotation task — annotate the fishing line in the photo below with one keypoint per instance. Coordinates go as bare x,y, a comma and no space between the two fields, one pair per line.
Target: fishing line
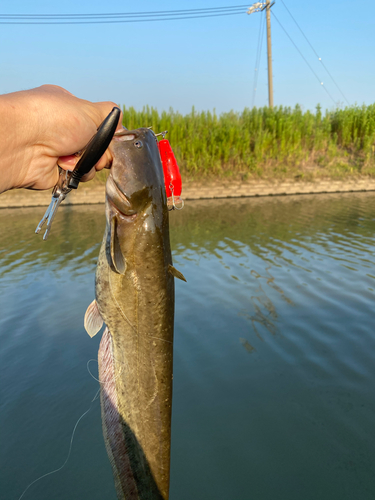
102,381
76,424
70,446
88,369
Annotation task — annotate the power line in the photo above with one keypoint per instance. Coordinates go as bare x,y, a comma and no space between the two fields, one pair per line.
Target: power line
124,14
123,21
130,17
161,15
320,59
303,57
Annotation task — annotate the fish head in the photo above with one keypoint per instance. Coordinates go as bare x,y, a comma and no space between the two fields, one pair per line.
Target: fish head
135,194
136,178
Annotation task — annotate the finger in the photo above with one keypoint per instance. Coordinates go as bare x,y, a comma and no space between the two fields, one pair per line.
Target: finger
89,176
105,161
104,108
67,162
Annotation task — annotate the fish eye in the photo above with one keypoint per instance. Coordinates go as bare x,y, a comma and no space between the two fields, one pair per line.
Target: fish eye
138,144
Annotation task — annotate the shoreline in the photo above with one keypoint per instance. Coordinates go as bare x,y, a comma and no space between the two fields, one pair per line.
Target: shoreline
196,191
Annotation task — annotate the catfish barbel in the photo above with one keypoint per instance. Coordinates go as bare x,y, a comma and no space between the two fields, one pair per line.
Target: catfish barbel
135,300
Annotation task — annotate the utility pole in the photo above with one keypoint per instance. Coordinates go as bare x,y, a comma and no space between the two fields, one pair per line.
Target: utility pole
269,54
259,7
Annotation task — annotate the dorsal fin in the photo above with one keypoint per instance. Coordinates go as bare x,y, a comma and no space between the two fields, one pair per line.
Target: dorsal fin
177,274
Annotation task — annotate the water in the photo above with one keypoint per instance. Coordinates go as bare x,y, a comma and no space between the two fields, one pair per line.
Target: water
274,352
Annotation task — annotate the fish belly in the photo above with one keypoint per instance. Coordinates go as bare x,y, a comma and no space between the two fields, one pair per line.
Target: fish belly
136,420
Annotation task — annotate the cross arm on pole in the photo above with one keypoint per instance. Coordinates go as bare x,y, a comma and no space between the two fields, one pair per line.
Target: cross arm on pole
259,7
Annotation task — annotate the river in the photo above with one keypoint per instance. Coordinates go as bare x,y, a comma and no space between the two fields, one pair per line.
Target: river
274,352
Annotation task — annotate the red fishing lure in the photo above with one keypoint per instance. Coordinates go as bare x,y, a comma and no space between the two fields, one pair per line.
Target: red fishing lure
172,176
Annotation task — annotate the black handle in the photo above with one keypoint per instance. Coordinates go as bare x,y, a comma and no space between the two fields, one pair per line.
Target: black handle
95,148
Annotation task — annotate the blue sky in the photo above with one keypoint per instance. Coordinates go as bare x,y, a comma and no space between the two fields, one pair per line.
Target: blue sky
208,63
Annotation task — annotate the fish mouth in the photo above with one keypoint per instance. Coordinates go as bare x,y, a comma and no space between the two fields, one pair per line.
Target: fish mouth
132,135
124,135
118,200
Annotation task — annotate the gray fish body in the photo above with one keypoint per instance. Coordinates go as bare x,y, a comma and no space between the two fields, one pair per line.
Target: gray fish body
135,298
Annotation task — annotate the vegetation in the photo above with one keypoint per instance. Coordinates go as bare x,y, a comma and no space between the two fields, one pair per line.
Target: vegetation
251,141
263,142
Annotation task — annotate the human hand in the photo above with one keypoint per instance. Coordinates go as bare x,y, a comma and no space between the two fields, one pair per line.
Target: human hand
42,128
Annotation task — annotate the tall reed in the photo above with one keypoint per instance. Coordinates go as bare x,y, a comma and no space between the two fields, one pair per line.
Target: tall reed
252,140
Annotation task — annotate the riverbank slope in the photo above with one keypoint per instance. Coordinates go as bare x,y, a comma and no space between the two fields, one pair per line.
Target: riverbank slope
193,190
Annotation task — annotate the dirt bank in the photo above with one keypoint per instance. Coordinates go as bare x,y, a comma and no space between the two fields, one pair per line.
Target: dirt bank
197,191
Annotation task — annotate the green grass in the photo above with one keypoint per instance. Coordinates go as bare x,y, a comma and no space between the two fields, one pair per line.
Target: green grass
272,143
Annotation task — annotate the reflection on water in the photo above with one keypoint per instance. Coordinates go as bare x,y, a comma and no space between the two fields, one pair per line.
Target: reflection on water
247,345
274,343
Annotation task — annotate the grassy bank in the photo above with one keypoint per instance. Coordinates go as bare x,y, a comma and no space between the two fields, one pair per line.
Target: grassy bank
264,143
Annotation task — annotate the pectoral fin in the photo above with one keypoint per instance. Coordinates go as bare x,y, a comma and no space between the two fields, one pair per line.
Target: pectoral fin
118,260
93,320
176,273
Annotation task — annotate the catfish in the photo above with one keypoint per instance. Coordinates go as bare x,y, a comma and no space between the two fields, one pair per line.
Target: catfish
134,290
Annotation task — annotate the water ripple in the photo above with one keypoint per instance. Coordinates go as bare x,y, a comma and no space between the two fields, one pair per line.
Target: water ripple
274,349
